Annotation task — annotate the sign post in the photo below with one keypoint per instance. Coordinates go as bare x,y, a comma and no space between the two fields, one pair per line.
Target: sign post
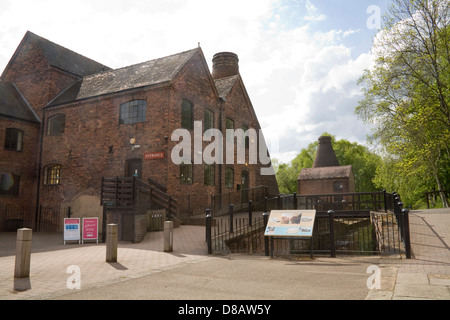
71,229
90,229
291,223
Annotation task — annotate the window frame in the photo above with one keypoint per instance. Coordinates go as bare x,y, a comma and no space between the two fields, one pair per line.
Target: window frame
209,172
187,107
55,127
208,121
133,111
229,175
11,141
186,172
52,175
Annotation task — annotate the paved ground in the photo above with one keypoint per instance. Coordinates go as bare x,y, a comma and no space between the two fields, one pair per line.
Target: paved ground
144,271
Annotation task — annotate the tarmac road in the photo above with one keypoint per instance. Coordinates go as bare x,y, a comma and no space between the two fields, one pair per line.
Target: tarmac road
238,277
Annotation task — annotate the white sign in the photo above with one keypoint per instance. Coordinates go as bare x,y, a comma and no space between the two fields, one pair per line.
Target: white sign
71,229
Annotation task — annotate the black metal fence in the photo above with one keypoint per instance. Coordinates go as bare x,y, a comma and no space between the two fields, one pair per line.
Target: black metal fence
356,231
45,218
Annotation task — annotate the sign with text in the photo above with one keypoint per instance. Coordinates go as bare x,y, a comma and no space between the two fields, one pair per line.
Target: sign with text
292,223
90,229
71,229
154,155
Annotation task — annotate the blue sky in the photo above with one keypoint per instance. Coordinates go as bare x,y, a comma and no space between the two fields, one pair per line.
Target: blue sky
300,60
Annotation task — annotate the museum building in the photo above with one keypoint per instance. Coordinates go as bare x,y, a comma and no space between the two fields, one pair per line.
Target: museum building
67,121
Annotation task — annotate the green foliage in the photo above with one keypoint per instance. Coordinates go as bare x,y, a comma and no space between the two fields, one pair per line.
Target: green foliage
406,99
363,161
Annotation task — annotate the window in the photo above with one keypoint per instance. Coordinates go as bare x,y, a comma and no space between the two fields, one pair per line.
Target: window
230,123
229,177
187,115
209,171
338,186
56,125
209,120
13,139
246,138
186,172
9,184
52,175
133,112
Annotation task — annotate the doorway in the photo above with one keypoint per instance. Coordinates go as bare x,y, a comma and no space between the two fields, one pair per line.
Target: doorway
133,168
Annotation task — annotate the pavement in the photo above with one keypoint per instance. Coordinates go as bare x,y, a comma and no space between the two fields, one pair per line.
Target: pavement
145,272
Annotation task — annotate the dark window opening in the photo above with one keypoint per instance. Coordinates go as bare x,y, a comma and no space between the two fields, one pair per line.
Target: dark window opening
14,139
187,115
56,125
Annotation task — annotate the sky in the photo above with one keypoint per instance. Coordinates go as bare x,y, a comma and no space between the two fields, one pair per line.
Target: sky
299,59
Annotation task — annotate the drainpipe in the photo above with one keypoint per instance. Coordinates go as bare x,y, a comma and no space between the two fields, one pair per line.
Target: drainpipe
39,167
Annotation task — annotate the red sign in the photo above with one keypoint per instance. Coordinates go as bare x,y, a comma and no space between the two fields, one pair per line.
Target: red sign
90,228
154,155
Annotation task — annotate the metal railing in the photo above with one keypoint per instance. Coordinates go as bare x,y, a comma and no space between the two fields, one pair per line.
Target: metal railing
355,231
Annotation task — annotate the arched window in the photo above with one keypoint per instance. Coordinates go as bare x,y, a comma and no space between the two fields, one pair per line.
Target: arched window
52,175
56,125
14,139
133,112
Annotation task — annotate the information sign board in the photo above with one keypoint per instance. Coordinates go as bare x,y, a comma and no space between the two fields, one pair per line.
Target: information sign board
292,223
71,229
90,229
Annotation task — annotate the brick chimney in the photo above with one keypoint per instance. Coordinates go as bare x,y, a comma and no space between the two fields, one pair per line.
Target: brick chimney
325,155
225,64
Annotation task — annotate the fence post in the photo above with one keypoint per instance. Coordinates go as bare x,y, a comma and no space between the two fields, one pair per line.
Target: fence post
295,200
231,217
406,238
332,248
208,230
250,212
207,213
279,204
23,253
266,239
265,204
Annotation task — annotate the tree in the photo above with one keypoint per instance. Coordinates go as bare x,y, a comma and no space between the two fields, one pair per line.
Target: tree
406,94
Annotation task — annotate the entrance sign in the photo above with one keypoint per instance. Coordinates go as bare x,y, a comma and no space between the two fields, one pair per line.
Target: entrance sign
154,155
71,229
90,229
291,223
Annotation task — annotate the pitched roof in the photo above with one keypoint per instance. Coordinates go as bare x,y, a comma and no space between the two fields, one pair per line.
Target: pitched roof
65,59
224,85
136,76
13,104
336,172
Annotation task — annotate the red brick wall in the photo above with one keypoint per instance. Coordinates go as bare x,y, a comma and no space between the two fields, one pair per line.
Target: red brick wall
21,163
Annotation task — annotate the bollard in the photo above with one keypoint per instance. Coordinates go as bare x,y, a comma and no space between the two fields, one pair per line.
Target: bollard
111,242
23,253
168,236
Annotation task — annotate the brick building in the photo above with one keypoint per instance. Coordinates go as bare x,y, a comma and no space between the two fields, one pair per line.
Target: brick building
326,176
67,121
